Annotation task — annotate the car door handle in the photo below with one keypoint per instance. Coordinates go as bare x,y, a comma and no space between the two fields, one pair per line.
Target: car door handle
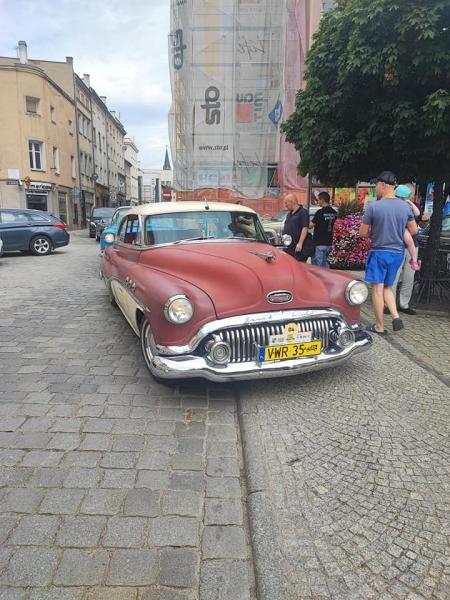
132,285
127,281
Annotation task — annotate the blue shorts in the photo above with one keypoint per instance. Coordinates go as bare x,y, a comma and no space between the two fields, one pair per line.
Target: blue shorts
382,266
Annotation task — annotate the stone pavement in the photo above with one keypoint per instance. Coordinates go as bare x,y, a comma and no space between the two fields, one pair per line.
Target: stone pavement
353,478
112,487
425,339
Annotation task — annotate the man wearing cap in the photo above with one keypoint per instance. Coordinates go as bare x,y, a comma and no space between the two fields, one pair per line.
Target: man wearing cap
385,222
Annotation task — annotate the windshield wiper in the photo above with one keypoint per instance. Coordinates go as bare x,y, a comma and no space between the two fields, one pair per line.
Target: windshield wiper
199,237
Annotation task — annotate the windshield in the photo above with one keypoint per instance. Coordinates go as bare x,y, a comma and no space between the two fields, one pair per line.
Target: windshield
118,216
182,226
102,213
280,216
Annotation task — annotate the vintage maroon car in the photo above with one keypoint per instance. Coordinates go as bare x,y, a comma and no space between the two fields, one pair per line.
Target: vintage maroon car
210,297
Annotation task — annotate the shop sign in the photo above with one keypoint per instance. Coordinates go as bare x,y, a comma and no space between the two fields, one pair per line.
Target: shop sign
36,186
11,182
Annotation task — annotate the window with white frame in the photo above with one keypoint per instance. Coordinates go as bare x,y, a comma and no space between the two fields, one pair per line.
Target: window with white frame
73,167
36,154
32,105
56,160
80,122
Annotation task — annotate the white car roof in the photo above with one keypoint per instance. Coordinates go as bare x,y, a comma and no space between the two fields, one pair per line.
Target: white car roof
169,207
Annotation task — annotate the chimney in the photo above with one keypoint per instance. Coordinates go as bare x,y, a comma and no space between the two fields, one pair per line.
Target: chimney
103,99
113,112
23,57
87,80
69,60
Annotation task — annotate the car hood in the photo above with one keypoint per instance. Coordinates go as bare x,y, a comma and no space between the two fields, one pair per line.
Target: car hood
238,277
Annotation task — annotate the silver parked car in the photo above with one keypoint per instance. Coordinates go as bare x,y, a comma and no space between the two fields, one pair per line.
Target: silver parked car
274,227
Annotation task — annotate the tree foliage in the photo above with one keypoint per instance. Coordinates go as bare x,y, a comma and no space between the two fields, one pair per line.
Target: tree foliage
377,97
377,93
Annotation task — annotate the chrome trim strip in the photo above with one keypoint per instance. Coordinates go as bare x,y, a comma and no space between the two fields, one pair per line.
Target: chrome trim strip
245,320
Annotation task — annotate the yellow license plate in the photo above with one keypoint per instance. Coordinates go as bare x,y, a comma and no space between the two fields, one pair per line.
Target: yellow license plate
290,351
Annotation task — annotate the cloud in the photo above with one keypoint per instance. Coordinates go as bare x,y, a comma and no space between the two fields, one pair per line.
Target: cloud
122,45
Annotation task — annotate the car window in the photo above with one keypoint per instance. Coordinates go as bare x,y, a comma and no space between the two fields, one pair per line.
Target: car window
175,227
13,217
118,216
446,226
36,217
280,216
102,213
129,230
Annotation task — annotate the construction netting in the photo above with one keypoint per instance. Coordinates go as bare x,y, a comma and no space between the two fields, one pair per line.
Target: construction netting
236,66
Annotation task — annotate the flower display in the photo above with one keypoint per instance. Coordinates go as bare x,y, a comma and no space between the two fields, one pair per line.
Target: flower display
349,249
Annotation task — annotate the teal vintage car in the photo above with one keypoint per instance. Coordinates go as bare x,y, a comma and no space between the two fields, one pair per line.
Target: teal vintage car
109,233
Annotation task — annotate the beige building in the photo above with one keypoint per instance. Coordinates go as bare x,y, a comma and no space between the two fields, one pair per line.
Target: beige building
85,146
99,136
38,146
131,171
116,159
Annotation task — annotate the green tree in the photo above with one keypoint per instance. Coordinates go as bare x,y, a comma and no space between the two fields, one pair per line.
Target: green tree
377,97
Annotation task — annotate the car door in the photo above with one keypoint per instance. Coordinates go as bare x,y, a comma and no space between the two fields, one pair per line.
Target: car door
124,259
14,230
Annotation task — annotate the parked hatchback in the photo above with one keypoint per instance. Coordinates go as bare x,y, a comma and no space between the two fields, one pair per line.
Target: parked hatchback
32,231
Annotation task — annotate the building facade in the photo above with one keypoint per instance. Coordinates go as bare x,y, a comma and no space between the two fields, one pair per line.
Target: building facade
131,171
38,142
61,149
236,66
99,139
115,134
157,184
85,148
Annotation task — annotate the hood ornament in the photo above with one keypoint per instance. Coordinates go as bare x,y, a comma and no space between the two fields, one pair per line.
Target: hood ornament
267,256
279,297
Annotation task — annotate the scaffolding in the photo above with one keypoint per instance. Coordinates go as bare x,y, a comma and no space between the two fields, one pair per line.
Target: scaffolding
228,78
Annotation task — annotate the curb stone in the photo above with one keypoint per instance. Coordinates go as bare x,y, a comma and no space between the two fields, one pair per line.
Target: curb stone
269,563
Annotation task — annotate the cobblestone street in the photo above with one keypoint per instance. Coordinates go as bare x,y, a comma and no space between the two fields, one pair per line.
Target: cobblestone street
356,464
112,487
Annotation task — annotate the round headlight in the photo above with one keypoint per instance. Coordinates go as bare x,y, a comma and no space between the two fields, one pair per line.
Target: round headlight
357,292
178,309
346,338
109,238
286,239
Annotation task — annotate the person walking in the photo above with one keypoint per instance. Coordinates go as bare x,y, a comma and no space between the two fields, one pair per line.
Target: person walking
323,223
296,225
385,222
405,275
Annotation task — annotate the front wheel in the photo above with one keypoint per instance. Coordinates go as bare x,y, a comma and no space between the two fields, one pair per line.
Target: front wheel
146,342
41,245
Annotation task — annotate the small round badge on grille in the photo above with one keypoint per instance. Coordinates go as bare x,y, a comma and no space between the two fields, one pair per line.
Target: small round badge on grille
279,297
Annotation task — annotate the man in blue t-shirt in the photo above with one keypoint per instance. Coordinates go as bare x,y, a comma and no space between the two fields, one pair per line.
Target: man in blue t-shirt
385,221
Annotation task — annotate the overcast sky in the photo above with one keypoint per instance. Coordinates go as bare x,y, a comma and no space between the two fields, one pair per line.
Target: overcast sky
122,44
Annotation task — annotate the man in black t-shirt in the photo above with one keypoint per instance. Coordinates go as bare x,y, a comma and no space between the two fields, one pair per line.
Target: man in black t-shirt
296,225
323,223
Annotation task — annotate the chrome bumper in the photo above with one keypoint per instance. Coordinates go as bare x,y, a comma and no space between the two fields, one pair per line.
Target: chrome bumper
188,366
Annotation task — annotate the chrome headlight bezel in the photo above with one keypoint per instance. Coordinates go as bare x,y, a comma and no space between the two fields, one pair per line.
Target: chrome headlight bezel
178,302
286,239
356,292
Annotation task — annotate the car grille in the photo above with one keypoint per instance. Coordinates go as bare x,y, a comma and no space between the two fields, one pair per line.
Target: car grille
243,340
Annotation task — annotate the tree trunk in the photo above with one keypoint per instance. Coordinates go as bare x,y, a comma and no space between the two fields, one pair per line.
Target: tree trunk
430,268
